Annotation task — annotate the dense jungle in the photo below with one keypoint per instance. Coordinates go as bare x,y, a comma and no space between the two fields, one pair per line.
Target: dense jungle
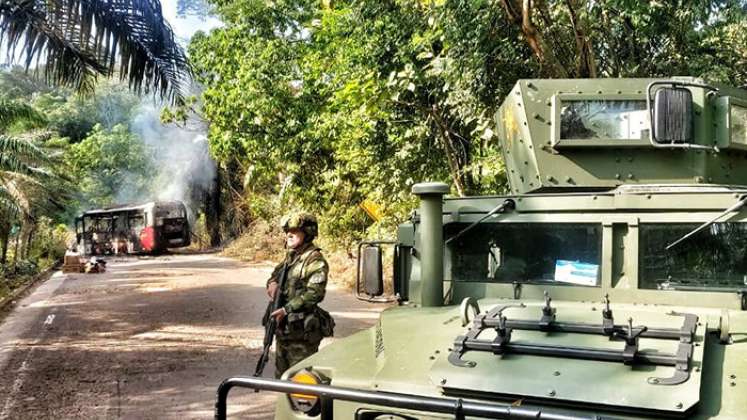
325,105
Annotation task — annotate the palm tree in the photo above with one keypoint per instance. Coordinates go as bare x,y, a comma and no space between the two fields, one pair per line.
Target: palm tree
21,166
12,111
76,40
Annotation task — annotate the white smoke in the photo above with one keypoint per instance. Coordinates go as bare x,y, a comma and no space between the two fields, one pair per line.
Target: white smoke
185,171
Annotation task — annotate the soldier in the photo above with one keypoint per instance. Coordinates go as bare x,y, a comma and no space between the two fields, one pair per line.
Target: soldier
301,322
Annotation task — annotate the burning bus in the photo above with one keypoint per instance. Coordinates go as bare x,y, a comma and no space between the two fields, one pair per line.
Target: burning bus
130,229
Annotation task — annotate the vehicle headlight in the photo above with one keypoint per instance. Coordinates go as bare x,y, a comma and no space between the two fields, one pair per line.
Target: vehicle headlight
308,404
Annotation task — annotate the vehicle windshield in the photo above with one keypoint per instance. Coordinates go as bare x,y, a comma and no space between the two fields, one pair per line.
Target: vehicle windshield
713,259
557,253
603,119
170,211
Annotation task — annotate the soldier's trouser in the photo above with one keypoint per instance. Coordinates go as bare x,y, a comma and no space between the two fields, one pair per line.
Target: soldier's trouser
290,352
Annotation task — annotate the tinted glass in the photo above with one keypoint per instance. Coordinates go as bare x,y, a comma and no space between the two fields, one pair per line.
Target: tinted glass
599,119
526,252
713,258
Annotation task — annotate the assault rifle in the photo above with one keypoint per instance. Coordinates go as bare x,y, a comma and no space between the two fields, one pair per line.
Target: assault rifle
269,322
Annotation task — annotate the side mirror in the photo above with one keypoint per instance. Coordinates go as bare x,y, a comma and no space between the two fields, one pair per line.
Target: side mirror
369,281
672,115
372,270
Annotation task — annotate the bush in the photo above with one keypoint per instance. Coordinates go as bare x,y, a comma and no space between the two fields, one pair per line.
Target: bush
49,243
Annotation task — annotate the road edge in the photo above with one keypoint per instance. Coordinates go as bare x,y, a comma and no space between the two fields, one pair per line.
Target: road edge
8,303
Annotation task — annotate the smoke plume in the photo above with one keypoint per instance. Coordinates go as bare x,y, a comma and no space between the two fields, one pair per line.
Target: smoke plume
184,169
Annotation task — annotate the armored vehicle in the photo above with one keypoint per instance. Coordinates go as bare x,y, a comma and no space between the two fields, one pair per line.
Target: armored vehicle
610,283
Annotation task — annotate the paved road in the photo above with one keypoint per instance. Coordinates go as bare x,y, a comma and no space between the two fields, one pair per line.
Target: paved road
150,338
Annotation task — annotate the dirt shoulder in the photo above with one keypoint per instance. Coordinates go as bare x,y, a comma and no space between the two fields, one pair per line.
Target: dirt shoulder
150,338
262,243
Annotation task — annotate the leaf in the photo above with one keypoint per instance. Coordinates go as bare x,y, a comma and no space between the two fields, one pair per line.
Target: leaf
80,39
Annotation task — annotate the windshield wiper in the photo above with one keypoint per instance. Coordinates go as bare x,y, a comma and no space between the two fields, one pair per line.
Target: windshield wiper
738,205
509,204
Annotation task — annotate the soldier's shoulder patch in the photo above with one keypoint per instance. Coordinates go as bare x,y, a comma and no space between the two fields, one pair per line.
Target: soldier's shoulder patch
318,278
316,265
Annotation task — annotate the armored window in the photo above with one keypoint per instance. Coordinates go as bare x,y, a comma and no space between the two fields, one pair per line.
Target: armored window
714,259
603,120
738,119
552,253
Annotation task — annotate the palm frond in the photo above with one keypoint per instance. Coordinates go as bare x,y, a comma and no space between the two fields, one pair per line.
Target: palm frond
34,177
78,39
14,149
12,111
10,164
7,202
17,195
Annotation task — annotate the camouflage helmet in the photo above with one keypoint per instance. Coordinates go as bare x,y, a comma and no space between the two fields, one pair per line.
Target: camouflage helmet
306,222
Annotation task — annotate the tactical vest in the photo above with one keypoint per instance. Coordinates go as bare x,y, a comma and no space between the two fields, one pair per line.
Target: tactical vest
297,276
314,323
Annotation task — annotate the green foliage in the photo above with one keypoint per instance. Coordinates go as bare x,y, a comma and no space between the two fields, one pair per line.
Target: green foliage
19,168
49,243
345,104
14,111
323,105
17,83
110,166
73,116
78,40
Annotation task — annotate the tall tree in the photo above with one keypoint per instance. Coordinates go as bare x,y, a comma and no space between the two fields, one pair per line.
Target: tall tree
76,40
20,166
619,38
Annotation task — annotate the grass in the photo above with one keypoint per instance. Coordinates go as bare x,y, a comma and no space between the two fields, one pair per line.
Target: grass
263,243
24,273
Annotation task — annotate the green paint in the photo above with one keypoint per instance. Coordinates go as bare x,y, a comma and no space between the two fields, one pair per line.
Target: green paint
431,241
620,188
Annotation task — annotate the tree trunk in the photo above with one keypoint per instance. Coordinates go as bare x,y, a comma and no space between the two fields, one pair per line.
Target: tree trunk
29,240
586,62
15,252
520,14
457,161
213,210
4,239
23,235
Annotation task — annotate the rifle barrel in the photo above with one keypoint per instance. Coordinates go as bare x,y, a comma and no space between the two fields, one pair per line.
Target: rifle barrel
272,325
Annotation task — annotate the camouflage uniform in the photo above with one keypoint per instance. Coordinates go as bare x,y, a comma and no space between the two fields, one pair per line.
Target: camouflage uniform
300,332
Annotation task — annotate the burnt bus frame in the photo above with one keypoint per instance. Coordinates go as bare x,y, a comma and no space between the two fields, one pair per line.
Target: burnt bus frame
458,407
150,216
